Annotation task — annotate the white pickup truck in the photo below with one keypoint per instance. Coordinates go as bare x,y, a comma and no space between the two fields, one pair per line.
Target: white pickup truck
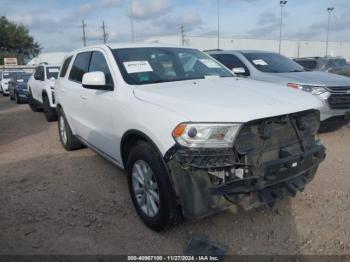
193,138
41,90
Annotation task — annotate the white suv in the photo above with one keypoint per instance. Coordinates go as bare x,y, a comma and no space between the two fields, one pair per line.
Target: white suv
193,138
41,90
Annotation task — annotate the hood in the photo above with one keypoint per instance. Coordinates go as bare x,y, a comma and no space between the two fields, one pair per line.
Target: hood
226,99
314,78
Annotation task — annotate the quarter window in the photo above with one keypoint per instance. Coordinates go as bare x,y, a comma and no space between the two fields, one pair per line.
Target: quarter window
65,66
80,67
98,63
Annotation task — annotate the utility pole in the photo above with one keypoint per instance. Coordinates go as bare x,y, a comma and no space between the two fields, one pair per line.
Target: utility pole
83,25
182,31
105,35
329,10
282,4
218,36
132,21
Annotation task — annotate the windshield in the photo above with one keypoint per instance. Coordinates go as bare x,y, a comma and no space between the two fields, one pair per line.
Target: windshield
156,65
10,75
23,77
273,63
333,63
52,72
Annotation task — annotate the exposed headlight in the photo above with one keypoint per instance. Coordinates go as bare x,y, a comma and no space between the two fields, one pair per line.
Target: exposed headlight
205,135
316,90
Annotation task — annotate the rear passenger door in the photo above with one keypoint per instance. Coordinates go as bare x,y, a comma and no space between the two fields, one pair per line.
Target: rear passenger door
97,122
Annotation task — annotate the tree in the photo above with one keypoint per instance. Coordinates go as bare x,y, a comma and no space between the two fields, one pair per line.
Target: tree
15,41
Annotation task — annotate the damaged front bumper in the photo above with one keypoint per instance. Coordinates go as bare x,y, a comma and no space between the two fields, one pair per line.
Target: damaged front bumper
262,167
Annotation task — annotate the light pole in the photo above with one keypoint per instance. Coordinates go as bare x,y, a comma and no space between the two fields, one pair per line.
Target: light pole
132,21
218,36
282,4
329,10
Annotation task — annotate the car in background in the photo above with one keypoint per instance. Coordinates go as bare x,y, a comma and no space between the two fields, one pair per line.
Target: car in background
41,90
332,90
335,65
193,139
6,76
18,89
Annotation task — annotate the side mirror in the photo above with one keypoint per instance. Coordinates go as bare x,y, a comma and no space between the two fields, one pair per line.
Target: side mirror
96,80
239,71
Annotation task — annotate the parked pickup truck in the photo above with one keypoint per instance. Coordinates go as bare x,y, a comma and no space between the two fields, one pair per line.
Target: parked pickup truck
193,138
41,90
332,90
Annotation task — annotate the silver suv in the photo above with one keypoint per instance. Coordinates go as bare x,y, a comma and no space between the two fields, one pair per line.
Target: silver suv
332,90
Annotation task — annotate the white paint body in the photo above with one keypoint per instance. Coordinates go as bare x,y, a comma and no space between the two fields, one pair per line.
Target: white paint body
37,87
101,118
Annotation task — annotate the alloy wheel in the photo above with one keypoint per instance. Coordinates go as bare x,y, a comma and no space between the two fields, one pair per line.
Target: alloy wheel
145,188
63,130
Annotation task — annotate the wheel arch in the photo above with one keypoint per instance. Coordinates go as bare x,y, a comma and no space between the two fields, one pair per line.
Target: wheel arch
129,139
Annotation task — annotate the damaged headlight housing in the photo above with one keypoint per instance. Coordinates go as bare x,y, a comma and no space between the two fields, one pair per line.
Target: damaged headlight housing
206,135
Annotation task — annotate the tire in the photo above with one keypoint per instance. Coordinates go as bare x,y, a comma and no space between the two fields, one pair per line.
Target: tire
18,100
164,213
68,140
32,103
11,97
49,112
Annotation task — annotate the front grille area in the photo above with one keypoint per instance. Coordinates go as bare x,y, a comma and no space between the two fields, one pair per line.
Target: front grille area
339,101
338,88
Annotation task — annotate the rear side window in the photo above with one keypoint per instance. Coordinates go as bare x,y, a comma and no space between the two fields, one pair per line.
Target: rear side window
99,63
65,66
80,67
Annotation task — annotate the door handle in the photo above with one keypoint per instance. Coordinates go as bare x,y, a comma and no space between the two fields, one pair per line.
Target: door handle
83,97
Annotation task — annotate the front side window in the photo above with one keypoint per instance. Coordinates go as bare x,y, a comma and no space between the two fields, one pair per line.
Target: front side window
231,61
98,63
273,63
156,65
52,72
65,66
39,73
80,67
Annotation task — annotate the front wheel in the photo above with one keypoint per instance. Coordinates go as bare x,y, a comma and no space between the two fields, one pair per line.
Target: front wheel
32,103
150,188
68,140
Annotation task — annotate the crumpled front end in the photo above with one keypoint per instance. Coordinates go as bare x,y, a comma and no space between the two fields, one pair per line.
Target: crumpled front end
271,159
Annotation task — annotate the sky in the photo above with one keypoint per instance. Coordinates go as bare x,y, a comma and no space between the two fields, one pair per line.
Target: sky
56,24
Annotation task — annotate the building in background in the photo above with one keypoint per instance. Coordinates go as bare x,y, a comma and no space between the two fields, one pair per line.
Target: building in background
50,58
290,48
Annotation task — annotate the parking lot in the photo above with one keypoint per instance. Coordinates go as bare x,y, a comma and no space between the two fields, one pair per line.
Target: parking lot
58,202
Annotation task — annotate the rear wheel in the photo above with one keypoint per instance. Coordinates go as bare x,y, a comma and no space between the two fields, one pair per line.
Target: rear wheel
68,140
49,112
150,188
